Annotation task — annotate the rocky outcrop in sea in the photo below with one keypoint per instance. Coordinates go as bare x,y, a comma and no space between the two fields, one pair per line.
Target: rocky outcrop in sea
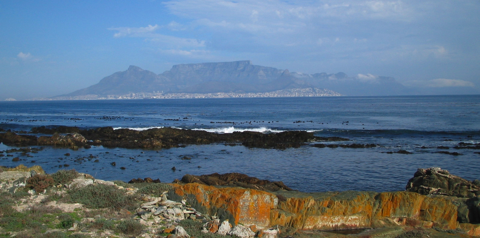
161,138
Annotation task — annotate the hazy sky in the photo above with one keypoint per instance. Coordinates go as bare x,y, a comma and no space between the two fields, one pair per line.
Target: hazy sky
49,48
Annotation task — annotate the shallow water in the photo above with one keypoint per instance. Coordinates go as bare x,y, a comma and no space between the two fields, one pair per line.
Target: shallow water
307,169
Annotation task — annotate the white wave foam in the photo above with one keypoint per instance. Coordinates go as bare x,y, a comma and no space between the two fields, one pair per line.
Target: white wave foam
229,130
138,128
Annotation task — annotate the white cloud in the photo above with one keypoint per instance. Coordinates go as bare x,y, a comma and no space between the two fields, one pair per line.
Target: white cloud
134,31
186,52
367,78
166,43
27,57
441,83
24,56
175,26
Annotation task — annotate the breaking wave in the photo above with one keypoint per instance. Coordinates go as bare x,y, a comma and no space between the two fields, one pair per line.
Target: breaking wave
229,130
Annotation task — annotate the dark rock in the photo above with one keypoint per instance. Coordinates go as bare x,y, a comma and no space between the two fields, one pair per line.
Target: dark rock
113,164
173,168
171,138
463,145
441,182
448,153
333,138
351,146
10,138
16,159
399,152
55,129
474,210
235,180
146,180
74,140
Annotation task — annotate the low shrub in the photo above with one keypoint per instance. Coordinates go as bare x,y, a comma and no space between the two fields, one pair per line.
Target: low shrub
64,176
103,196
102,224
39,182
130,227
154,189
66,221
52,197
20,194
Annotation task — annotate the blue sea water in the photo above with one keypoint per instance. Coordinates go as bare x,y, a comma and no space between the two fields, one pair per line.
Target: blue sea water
418,124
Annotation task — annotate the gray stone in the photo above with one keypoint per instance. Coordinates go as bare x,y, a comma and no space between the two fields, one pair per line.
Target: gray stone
180,232
270,233
242,232
80,182
110,183
435,181
224,228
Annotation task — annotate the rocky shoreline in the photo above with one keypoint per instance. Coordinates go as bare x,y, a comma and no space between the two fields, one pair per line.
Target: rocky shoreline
71,204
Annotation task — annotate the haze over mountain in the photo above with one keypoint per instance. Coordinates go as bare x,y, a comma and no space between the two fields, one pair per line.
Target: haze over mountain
238,77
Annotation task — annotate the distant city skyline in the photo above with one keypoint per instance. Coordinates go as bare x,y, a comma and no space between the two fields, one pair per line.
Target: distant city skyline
49,48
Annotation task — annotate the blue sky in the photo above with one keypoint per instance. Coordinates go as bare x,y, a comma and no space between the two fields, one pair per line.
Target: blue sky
48,48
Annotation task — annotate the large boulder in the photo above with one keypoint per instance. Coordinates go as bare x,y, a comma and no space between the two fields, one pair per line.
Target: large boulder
440,182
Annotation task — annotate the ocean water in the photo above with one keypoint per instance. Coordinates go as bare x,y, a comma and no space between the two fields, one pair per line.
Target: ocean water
417,124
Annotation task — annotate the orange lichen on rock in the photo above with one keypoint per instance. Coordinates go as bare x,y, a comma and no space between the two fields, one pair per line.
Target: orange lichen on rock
247,206
398,204
331,211
442,212
326,211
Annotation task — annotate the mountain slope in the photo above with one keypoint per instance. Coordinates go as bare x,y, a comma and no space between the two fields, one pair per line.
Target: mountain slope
133,80
239,77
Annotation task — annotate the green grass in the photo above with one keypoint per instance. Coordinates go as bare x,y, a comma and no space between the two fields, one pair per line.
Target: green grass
37,219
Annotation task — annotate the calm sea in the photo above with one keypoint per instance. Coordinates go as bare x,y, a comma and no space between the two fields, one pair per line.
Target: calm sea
417,124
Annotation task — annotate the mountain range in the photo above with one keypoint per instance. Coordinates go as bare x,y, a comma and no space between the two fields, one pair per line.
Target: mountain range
234,78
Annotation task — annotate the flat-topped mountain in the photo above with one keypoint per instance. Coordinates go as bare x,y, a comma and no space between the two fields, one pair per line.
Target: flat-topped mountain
231,79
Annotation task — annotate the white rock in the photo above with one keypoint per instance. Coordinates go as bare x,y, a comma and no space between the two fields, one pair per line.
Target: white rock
224,228
110,183
80,183
147,215
242,232
74,227
150,204
160,210
178,213
270,233
180,232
